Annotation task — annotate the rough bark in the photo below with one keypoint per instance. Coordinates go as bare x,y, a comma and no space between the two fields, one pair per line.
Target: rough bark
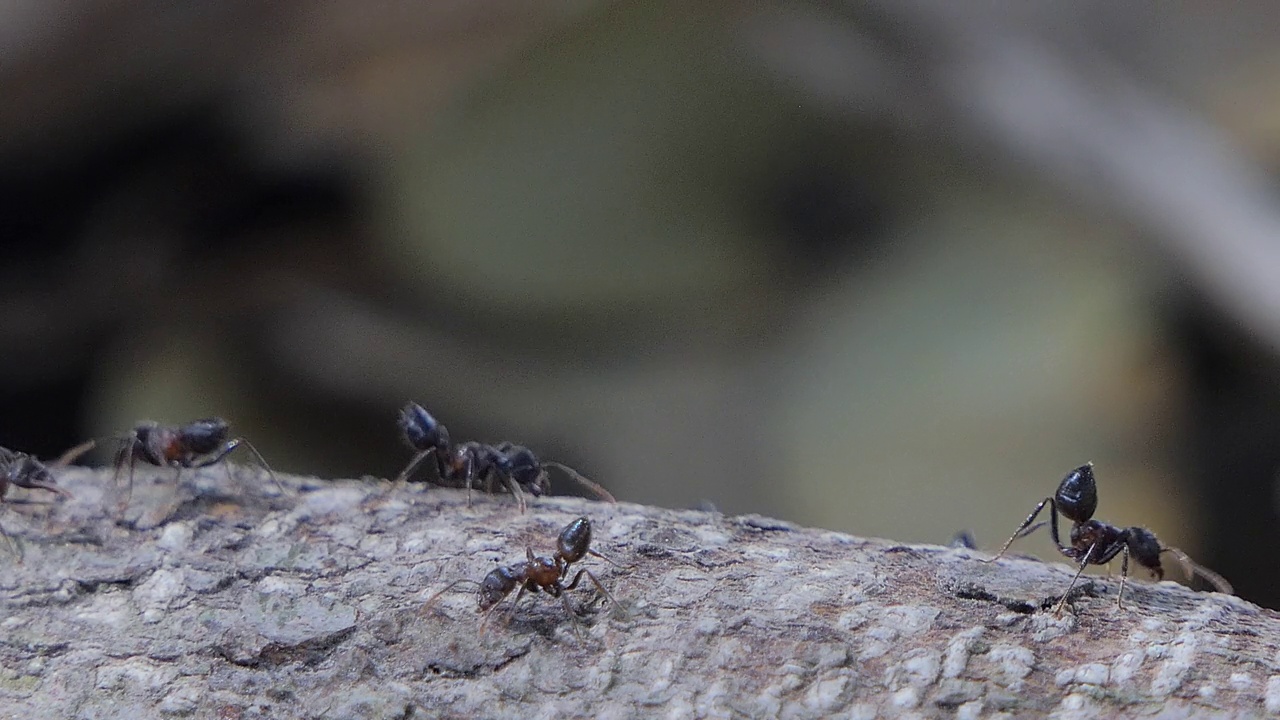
225,598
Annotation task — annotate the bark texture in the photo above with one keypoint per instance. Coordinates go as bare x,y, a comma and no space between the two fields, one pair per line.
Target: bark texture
221,597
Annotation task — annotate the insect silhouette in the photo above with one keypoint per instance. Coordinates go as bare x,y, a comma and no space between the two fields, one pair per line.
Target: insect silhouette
18,469
1097,543
539,574
469,463
197,444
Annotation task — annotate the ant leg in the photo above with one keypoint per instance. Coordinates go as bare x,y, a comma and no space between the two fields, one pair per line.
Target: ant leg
1053,514
1031,529
123,455
1083,562
519,494
1124,577
511,614
14,544
413,464
1192,569
599,491
470,477
230,447
217,457
73,454
591,576
573,616
511,611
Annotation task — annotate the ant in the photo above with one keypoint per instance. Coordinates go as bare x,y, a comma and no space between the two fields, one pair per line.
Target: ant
546,574
464,464
197,444
18,469
1096,542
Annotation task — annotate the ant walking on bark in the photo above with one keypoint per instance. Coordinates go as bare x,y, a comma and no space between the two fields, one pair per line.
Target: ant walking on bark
534,574
19,469
197,444
1096,542
465,464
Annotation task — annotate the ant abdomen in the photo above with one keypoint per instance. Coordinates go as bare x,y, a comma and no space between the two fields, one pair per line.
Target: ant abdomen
1146,550
421,430
205,436
498,584
574,540
1077,494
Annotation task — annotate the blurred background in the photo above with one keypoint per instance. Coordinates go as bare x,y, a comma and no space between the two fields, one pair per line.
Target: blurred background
890,268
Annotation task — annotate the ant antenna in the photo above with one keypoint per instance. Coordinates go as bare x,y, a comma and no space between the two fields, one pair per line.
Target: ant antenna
127,446
261,461
73,454
599,491
1193,568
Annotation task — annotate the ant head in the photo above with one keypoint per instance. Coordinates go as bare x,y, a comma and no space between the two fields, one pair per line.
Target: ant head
1077,494
205,435
525,469
1146,549
28,472
574,540
420,430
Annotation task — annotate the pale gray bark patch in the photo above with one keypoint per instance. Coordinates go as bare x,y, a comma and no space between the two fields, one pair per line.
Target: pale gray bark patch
239,602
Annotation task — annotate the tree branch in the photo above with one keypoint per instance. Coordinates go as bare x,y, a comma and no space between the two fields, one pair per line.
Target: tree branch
231,600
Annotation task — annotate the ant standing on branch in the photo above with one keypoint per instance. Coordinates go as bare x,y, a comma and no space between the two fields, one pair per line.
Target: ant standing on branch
545,574
197,444
1096,542
465,464
19,469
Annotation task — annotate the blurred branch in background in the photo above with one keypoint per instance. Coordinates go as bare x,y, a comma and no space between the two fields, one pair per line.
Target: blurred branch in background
1059,108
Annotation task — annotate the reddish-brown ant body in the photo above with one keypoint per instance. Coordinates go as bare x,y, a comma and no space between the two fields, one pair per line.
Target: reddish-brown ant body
197,444
539,573
1094,542
469,463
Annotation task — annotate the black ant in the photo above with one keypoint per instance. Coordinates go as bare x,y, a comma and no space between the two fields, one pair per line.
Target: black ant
197,444
546,574
19,469
465,464
1096,542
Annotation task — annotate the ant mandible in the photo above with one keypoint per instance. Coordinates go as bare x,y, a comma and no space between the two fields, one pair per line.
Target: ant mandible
1096,542
465,464
197,444
534,574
